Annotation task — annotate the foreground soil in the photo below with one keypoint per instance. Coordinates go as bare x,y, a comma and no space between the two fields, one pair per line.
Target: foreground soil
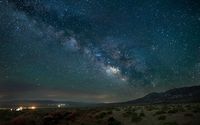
163,114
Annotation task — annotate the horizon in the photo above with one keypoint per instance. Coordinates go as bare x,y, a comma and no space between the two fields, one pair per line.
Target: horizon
90,102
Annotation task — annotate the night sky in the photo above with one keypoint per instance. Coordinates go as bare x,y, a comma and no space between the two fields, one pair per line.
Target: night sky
97,50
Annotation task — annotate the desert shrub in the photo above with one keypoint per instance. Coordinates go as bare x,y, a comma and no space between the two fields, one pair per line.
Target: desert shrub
142,114
135,117
26,120
99,122
19,121
130,109
117,109
172,111
109,112
137,108
188,106
170,123
165,107
57,115
188,115
7,115
150,108
180,108
159,112
196,109
162,117
127,114
72,116
48,120
101,115
113,121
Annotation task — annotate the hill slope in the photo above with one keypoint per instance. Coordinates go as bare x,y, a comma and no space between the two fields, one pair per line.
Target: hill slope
177,95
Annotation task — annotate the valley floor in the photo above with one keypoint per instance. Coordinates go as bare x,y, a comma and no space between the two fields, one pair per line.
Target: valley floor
162,114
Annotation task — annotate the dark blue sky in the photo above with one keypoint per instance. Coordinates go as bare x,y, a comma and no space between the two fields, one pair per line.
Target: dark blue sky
97,50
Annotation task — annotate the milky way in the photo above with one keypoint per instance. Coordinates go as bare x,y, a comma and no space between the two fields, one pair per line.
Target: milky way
97,50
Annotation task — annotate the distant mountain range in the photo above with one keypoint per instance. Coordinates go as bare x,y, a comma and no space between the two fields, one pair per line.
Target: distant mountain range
176,95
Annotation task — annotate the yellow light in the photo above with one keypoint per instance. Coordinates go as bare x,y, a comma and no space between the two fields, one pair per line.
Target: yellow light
33,107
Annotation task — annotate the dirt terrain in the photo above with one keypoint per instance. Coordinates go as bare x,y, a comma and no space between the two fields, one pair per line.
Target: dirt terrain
162,114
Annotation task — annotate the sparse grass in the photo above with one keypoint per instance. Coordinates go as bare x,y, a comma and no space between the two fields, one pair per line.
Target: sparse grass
172,111
101,115
117,109
188,107
135,117
127,114
159,112
130,109
180,108
162,117
113,121
151,108
196,109
99,122
170,123
165,108
6,115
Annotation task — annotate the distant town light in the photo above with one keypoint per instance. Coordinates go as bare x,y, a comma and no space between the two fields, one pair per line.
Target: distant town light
61,105
19,109
33,107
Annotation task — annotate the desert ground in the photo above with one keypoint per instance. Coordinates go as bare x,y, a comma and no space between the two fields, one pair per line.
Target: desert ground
159,114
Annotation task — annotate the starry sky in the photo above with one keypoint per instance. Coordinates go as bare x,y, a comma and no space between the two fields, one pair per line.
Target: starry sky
97,50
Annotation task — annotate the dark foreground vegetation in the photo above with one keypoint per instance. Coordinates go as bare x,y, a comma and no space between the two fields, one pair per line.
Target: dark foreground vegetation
162,114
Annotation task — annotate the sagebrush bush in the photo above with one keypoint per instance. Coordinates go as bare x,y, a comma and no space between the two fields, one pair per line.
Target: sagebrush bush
162,117
135,117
